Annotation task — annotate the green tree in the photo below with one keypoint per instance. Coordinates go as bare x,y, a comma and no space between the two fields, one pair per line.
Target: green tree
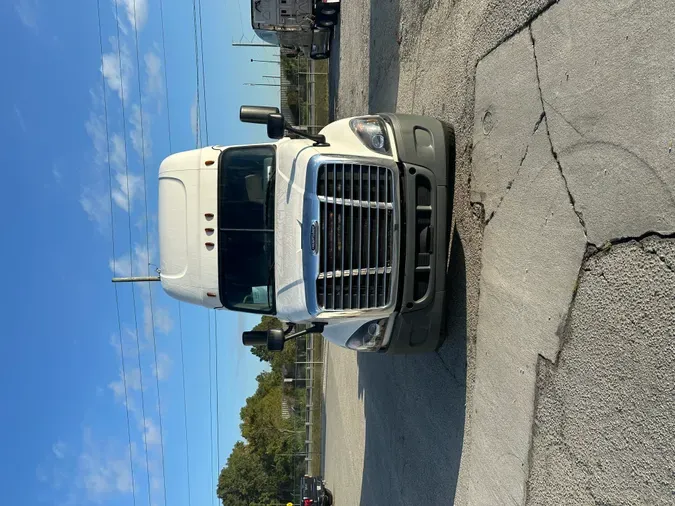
244,481
271,441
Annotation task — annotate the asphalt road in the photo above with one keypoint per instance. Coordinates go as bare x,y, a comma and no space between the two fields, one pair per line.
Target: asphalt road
563,120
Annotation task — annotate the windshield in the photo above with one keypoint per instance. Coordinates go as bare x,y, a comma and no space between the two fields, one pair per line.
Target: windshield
246,228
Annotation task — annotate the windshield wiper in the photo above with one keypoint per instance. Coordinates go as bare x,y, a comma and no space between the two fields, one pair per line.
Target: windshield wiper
270,282
269,192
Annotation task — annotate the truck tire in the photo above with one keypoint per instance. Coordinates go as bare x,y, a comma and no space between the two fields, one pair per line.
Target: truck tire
327,498
327,15
327,10
320,48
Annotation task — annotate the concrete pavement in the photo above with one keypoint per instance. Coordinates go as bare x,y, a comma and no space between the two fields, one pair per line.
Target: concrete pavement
602,174
563,119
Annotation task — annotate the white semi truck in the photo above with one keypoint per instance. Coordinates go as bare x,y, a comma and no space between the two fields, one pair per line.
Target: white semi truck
301,25
346,231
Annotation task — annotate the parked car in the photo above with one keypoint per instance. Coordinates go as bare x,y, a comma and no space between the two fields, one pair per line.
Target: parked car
314,492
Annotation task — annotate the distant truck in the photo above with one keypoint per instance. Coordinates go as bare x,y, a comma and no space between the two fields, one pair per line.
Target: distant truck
300,25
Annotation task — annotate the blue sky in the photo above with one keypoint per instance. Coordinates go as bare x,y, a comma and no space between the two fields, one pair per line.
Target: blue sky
63,431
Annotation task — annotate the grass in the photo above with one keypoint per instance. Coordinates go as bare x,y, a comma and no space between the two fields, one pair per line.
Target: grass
321,91
317,404
320,96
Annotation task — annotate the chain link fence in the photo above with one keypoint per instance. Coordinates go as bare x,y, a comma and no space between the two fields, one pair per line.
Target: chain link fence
304,91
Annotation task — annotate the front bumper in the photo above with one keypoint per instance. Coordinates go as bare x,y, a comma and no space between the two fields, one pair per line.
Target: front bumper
426,151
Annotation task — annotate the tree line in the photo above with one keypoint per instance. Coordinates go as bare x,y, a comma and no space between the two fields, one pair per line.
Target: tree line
263,469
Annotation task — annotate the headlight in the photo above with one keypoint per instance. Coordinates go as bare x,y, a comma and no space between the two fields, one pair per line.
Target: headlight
369,337
372,132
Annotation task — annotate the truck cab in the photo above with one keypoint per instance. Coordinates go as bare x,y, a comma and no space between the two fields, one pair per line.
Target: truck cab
346,231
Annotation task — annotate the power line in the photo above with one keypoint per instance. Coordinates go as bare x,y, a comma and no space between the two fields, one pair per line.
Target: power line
208,317
180,314
131,260
182,364
206,109
166,78
215,317
112,236
147,248
194,16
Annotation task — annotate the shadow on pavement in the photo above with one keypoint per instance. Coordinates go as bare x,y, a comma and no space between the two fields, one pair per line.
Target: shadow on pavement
414,408
385,17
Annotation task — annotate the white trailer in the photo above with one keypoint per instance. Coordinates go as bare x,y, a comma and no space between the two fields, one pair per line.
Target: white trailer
303,25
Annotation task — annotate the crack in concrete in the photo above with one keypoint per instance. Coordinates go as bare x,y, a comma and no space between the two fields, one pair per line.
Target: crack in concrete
592,250
538,123
520,166
522,160
564,118
554,153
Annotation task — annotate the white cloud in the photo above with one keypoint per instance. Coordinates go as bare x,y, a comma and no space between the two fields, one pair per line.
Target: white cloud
97,207
117,68
27,10
151,433
103,470
121,266
137,12
118,155
96,129
58,175
128,187
140,137
134,379
163,320
164,363
153,72
19,118
59,450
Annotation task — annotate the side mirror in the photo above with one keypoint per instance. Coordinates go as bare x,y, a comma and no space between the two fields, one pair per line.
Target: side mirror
276,126
274,339
256,114
254,338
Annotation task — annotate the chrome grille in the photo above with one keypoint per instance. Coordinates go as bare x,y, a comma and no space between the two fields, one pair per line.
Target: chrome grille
356,248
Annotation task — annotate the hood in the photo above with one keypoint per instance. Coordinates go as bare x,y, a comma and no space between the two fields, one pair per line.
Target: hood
292,159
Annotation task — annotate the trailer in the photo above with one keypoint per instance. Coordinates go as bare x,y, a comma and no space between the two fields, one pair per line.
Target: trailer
301,25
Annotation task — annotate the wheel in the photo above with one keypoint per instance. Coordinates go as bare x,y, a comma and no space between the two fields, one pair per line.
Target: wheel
327,498
327,10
